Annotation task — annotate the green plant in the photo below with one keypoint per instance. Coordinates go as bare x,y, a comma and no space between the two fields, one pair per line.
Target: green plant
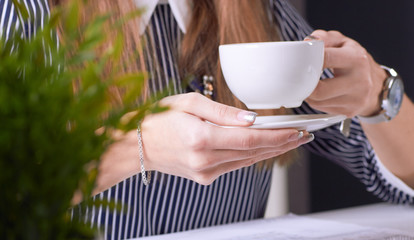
49,146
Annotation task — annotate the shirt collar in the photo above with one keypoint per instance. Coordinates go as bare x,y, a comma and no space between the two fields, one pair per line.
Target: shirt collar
180,9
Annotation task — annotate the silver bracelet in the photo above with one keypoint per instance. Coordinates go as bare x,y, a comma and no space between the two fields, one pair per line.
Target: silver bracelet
146,179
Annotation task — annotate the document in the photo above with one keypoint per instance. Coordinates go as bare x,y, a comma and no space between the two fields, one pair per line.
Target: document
289,227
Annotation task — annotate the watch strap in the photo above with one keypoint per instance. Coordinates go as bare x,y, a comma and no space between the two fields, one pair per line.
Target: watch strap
382,116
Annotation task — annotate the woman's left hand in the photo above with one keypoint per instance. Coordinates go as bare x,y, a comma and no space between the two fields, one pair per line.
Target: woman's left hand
358,80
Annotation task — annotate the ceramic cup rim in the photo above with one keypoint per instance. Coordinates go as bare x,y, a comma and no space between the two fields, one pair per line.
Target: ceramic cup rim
290,42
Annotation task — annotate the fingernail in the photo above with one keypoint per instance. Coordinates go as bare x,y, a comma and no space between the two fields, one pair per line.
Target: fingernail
310,37
246,116
296,136
308,138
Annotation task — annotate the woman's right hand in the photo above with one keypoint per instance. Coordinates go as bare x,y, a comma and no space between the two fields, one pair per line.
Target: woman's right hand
180,142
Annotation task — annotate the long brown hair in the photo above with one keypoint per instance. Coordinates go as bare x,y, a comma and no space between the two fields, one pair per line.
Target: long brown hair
216,22
213,22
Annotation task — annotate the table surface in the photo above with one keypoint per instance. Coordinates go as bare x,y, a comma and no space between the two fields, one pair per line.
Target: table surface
399,217
374,220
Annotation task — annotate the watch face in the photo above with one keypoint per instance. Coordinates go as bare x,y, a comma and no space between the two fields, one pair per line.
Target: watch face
395,96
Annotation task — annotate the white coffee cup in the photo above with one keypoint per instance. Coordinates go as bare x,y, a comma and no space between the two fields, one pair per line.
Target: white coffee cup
270,75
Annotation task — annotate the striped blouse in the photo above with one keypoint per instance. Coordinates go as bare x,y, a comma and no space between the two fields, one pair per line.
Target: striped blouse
171,203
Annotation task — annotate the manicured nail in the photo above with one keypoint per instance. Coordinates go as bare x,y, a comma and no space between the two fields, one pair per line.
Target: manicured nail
308,138
310,38
296,136
246,116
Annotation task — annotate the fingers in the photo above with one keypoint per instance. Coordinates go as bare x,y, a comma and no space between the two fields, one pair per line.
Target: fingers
345,94
206,109
206,150
331,88
242,139
340,51
208,175
218,157
327,86
330,38
340,105
344,57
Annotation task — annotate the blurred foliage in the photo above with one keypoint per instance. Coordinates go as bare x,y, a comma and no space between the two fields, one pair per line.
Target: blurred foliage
49,146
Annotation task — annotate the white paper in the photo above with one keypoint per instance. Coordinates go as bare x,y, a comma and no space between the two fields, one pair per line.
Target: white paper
288,227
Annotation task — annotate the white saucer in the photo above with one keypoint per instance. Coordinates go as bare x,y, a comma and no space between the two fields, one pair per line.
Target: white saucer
308,122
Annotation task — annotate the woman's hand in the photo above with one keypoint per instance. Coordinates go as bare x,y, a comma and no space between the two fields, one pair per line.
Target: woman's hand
180,141
355,90
358,80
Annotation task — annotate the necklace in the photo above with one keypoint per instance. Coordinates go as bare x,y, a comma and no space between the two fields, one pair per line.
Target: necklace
204,87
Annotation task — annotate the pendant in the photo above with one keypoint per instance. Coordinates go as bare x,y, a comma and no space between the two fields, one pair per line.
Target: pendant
208,86
204,87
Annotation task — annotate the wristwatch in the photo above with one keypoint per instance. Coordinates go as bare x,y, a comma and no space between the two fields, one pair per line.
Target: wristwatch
390,97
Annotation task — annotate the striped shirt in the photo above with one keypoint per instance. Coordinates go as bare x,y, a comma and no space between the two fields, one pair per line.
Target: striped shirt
171,203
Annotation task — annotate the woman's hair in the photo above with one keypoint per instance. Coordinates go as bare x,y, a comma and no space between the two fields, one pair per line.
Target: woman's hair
213,22
216,22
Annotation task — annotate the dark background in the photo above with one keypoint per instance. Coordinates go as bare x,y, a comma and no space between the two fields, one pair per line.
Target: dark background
386,29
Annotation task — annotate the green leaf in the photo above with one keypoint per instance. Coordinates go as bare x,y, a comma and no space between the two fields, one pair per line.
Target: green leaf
21,9
48,136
